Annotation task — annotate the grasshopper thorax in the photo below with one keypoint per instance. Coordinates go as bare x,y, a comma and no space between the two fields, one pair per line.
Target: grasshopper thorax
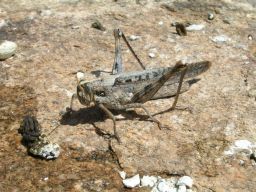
85,93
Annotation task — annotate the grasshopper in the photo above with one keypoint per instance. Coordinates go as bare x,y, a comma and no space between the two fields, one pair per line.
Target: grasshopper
124,90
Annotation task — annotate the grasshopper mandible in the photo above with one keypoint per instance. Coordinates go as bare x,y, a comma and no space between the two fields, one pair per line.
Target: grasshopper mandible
124,90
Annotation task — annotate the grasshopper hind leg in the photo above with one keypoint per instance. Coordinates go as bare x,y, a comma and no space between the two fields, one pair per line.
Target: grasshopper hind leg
140,105
174,104
118,65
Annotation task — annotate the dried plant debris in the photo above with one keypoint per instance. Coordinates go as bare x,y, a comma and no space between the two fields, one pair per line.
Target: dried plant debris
30,130
181,29
35,141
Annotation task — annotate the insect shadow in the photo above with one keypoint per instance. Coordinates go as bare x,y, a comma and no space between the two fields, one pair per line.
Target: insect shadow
91,115
95,114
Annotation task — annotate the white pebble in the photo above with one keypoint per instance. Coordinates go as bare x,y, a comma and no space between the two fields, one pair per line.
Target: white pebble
45,13
220,38
249,37
122,174
132,182
210,16
69,1
80,76
182,188
160,23
7,49
45,179
2,23
243,144
185,180
134,37
195,27
165,186
148,181
152,55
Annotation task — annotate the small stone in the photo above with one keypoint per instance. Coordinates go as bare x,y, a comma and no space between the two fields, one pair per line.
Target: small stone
165,186
181,29
45,178
75,27
45,150
250,37
134,37
69,1
2,23
122,174
45,13
252,93
148,181
226,21
220,39
152,55
98,25
7,49
243,144
195,27
241,162
80,76
160,23
182,188
132,182
210,16
185,180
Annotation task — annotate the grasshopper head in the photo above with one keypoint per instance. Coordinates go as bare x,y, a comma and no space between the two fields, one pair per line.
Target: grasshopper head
84,93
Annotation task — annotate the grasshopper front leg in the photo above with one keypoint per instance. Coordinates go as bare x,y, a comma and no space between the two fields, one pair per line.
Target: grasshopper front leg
70,108
110,115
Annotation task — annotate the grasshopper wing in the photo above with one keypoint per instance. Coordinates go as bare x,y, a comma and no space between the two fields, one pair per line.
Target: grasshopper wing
151,89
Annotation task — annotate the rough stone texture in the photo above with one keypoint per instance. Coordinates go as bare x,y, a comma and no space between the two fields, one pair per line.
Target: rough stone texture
51,50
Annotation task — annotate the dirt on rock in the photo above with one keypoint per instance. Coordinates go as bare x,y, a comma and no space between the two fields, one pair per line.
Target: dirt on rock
56,39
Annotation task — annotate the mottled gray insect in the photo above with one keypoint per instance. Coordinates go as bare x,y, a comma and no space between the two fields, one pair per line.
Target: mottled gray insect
124,90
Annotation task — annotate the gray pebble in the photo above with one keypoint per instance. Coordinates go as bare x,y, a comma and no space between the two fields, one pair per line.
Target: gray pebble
7,49
97,25
226,21
45,149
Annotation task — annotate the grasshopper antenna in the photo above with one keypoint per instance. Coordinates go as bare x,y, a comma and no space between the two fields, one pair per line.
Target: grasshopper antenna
131,49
